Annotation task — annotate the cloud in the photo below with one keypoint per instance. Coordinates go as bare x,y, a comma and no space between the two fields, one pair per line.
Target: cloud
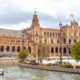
17,14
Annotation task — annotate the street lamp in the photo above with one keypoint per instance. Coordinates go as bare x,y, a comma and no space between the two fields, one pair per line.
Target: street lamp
22,40
68,54
60,24
38,55
28,43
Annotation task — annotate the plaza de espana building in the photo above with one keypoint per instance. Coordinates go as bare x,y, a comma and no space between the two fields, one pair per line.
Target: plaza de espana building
12,41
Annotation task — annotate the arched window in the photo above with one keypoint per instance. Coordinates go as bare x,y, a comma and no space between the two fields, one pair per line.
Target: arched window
69,51
7,48
64,41
51,40
74,40
56,50
24,47
69,41
57,40
60,50
64,50
29,49
52,50
13,48
18,49
2,48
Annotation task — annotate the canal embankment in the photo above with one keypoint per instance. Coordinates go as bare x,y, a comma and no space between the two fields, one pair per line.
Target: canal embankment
51,68
8,60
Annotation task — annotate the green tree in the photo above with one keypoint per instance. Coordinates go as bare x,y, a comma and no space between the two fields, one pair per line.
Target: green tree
75,51
22,55
44,50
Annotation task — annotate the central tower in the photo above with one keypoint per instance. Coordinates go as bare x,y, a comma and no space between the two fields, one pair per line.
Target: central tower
35,21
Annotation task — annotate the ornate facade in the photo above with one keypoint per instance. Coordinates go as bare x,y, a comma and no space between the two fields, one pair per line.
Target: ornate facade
11,41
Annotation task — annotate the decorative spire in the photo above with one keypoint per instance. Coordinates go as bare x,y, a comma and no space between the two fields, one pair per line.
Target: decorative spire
35,21
35,11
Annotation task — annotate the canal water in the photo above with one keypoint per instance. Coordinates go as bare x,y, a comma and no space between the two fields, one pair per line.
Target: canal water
14,72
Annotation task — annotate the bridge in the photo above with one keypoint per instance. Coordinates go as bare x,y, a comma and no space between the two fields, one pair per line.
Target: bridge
5,54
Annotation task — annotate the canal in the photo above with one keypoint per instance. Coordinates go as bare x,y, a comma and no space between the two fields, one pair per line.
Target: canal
14,72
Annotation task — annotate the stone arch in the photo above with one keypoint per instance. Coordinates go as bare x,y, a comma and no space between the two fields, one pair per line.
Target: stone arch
60,49
18,49
69,51
74,40
52,50
13,48
64,50
69,41
2,48
29,49
24,47
56,50
8,48
64,40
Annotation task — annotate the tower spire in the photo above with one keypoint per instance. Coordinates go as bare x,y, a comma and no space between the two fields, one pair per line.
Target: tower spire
35,11
35,21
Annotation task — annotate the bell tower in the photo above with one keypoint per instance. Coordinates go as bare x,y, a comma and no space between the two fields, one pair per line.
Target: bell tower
35,21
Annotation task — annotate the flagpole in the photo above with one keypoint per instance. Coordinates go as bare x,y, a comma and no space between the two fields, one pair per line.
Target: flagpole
72,15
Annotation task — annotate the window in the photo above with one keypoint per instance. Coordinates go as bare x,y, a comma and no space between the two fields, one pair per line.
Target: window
12,40
51,40
44,33
18,41
36,33
64,41
69,41
45,40
74,40
53,34
50,34
63,34
58,34
57,40
74,34
47,33
6,40
74,28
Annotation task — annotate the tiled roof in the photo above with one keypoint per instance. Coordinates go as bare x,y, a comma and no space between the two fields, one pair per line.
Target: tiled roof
12,33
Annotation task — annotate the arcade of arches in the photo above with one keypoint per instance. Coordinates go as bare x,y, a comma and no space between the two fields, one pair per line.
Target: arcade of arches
12,49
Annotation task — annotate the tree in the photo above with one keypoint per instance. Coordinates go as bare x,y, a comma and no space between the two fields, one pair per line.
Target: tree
75,51
44,51
23,54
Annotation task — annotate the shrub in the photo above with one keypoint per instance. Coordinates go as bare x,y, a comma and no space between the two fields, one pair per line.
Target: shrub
68,66
49,64
77,67
22,55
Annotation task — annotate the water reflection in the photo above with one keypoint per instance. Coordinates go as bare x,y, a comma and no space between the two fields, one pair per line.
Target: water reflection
14,72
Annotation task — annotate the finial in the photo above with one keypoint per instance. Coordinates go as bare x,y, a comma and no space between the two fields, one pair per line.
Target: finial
35,11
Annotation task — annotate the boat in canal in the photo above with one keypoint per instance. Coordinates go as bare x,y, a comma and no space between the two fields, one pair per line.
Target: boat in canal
1,71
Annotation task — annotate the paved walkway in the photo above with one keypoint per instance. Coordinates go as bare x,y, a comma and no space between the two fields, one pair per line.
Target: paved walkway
51,68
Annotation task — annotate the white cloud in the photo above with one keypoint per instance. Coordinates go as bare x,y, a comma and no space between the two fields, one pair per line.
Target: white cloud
53,8
17,26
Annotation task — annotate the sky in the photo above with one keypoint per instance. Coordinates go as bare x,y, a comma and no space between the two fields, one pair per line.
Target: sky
18,14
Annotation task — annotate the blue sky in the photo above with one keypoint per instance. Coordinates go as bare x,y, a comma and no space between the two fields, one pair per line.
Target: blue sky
17,14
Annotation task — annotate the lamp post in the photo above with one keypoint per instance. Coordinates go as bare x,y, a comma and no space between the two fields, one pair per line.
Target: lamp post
38,55
28,43
68,54
22,40
60,24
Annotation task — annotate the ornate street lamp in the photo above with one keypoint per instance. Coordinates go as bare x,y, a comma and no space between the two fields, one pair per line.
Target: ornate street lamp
28,43
38,55
60,24
22,40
